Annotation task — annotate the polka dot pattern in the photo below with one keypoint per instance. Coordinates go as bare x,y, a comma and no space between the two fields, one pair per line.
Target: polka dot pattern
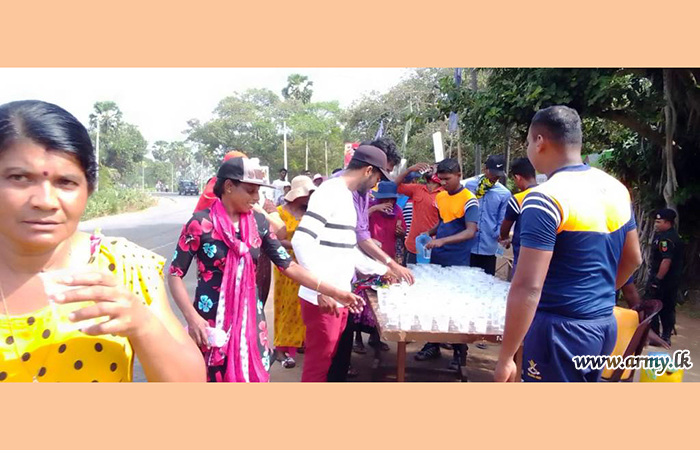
39,349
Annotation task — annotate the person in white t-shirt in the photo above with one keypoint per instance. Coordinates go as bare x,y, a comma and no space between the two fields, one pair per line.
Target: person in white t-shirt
279,184
325,243
286,187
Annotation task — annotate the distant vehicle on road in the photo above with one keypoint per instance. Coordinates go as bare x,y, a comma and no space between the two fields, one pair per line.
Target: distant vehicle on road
187,188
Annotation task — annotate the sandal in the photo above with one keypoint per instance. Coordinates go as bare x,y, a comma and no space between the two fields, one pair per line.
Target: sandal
352,373
289,363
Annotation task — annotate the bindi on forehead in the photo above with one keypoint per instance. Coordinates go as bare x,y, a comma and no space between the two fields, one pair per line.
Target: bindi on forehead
45,173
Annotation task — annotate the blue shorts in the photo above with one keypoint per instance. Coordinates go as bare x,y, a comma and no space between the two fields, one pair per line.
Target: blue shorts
554,340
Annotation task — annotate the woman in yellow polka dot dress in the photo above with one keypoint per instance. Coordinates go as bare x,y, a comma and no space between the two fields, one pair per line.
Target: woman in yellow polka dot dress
74,307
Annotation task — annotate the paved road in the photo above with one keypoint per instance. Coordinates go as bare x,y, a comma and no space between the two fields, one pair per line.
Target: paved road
156,229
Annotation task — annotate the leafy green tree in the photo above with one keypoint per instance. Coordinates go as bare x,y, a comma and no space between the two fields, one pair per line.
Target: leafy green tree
122,146
407,113
160,150
649,118
245,121
299,88
252,122
107,114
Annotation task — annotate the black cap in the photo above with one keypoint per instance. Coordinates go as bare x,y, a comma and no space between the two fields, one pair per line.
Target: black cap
496,165
372,156
666,214
244,170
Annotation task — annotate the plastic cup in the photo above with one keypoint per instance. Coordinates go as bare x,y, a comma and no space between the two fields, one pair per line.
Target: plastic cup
442,321
423,254
61,311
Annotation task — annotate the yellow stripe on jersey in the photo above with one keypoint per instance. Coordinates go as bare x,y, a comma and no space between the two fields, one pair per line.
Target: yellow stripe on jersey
520,196
588,200
451,207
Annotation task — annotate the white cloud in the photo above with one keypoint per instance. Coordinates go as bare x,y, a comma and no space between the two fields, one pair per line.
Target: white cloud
160,101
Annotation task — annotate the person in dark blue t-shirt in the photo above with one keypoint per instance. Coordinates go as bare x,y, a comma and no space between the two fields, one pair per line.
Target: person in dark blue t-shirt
579,244
525,178
453,239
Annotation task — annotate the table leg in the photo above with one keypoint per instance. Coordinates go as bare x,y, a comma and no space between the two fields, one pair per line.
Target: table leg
519,363
401,362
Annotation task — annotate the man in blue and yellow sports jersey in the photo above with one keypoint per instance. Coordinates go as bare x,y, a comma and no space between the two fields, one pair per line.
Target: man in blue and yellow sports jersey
453,239
578,244
525,178
459,214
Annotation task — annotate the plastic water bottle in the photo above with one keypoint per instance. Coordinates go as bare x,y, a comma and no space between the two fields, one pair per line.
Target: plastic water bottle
423,254
500,250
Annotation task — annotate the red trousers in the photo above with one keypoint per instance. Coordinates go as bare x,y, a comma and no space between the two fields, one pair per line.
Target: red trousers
322,335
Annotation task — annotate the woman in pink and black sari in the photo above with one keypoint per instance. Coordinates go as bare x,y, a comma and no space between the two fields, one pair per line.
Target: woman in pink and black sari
226,319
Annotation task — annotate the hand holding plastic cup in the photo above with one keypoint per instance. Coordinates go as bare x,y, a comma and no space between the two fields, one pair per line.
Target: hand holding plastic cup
423,254
54,287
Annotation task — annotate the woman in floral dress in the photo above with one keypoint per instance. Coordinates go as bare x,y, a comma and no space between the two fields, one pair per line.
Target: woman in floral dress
226,319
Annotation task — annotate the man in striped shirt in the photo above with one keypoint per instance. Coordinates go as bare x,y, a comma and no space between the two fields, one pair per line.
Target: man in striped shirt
325,243
579,244
525,178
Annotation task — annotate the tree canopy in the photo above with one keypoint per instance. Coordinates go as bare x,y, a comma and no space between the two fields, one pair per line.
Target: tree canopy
299,88
648,118
644,122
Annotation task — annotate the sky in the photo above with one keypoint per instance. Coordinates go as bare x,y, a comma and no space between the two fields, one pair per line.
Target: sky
161,101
